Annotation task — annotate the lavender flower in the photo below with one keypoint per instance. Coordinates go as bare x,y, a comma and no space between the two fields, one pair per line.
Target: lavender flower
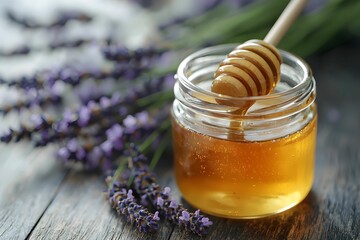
103,153
146,186
140,56
63,153
39,100
73,77
63,19
6,136
107,111
124,202
84,116
24,50
69,44
24,132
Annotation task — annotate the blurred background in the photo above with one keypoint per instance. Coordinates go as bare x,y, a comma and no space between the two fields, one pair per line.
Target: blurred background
44,34
60,55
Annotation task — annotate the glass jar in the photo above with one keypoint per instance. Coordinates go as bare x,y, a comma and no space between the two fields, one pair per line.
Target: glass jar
237,165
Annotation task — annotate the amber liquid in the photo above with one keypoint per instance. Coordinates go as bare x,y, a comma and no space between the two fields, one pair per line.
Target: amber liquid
244,179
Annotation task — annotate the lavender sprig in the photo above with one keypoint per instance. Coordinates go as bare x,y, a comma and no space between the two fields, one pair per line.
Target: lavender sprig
16,135
39,100
124,202
24,50
63,19
145,184
72,76
123,54
106,111
104,153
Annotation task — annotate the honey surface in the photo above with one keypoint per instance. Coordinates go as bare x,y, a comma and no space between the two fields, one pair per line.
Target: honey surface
244,179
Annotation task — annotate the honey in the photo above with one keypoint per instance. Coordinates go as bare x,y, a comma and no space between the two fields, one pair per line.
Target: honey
237,163
244,179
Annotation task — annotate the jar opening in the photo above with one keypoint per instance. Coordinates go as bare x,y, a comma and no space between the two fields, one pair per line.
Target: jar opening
195,75
202,57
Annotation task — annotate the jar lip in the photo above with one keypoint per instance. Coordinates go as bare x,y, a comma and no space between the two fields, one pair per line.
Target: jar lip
305,81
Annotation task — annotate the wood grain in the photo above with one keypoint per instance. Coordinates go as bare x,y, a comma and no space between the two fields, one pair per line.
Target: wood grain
29,181
80,211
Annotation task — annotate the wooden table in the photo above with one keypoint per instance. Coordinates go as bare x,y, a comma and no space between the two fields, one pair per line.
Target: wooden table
39,199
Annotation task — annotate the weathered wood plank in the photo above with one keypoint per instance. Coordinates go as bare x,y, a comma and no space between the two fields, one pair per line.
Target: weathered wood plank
29,180
80,211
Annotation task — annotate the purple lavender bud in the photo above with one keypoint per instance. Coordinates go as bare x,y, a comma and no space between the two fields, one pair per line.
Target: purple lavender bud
173,204
66,74
130,195
130,124
143,117
52,78
68,115
156,216
44,135
206,222
37,120
167,191
80,153
92,105
6,136
197,213
185,216
106,147
115,132
63,153
123,201
84,116
160,201
105,102
72,145
62,126
118,144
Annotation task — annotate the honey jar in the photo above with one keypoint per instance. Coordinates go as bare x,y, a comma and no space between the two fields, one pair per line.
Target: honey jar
243,164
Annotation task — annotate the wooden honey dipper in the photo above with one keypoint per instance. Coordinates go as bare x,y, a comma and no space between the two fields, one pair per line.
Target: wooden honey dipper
253,68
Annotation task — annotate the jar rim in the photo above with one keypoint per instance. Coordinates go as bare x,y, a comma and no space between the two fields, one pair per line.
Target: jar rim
183,79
